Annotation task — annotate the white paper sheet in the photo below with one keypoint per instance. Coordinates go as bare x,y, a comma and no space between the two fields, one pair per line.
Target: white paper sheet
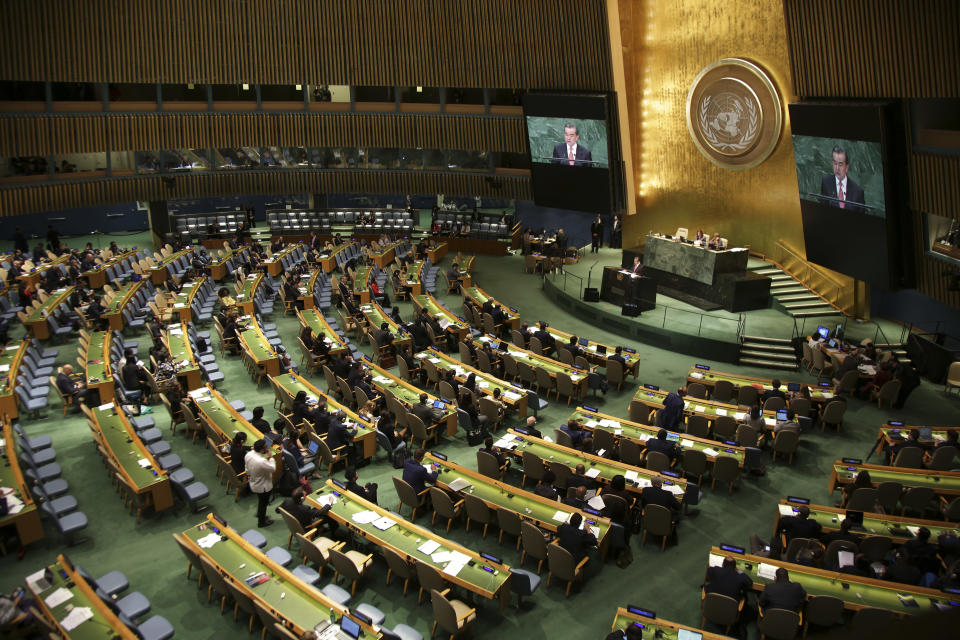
785,509
37,581
384,523
715,560
458,484
630,475
708,451
58,597
208,540
76,617
440,557
596,502
767,571
686,443
592,473
364,517
429,547
561,516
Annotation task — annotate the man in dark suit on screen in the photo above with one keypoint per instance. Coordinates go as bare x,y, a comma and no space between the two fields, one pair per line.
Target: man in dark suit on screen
570,151
848,193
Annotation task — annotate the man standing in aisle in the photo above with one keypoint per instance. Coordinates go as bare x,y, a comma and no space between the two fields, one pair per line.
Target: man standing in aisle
260,469
596,234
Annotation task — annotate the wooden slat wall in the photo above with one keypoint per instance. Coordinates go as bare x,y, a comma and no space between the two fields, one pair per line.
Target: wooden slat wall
53,134
454,43
54,197
874,48
934,188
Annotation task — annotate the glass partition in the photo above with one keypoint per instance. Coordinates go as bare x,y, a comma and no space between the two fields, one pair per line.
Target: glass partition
23,166
458,160
79,162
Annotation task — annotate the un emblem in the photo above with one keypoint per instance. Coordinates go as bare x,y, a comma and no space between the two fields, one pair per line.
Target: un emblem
734,113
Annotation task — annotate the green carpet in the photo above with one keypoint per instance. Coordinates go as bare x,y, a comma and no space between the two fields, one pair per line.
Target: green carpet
668,582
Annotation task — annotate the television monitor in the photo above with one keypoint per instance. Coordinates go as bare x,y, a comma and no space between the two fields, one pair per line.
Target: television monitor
848,160
568,142
782,415
350,626
823,332
584,342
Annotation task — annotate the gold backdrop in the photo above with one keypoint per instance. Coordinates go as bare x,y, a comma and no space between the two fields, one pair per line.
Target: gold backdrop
666,43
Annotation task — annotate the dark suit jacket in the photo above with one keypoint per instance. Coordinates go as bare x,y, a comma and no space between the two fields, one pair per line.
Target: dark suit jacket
338,434
828,187
416,476
796,527
574,540
560,154
574,480
663,446
728,582
66,385
783,595
305,514
662,497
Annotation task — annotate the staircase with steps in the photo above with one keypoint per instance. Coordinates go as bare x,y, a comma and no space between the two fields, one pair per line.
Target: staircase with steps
773,353
792,297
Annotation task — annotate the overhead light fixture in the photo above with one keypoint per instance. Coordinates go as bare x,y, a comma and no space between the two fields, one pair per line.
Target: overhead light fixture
246,87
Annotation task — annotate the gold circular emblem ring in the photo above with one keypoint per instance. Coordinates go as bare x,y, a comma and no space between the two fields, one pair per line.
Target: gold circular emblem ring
734,113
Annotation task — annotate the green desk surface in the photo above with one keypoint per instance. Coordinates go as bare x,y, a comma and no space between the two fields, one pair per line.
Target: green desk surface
249,287
403,391
227,254
128,451
10,359
295,383
479,296
188,292
942,482
123,296
181,354
699,406
360,281
256,342
314,319
115,260
657,627
221,415
375,315
485,381
896,528
413,272
466,264
889,433
859,593
641,433
435,309
98,369
11,477
388,249
57,296
562,337
284,593
710,378
536,361
283,253
502,495
101,626
553,452
173,257
406,537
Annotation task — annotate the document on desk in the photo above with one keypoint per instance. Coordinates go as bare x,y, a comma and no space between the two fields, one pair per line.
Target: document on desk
429,547
686,443
364,517
785,509
592,473
458,484
715,560
613,424
561,516
383,523
630,475
596,502
700,408
58,597
591,423
721,412
328,499
143,462
596,532
708,451
674,489
208,540
511,396
440,557
76,617
739,415
767,571
382,379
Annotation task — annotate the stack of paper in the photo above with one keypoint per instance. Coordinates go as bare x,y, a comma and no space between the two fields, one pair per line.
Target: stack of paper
785,509
591,423
592,473
596,502
58,597
440,556
76,617
715,560
324,500
364,517
384,523
458,484
767,571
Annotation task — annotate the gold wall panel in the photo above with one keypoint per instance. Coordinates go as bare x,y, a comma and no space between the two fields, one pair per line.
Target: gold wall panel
453,43
665,45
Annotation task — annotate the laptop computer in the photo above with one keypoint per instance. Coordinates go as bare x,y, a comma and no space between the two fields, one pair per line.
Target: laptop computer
584,342
350,627
925,433
313,447
855,518
793,386
601,350
437,404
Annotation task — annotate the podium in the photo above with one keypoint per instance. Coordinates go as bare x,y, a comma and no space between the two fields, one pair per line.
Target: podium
621,288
